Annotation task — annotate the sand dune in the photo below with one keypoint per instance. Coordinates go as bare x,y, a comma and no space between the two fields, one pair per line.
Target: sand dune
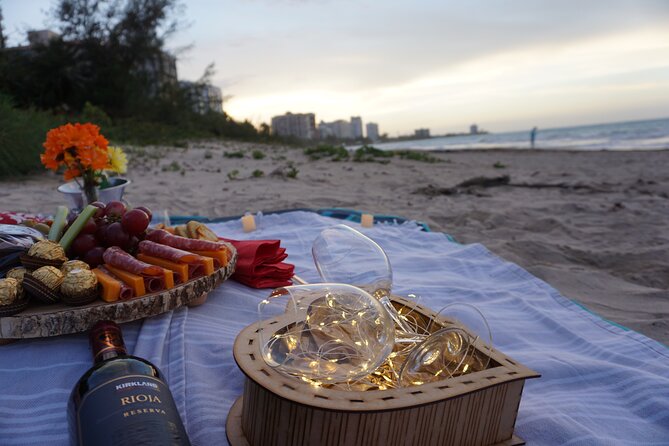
592,224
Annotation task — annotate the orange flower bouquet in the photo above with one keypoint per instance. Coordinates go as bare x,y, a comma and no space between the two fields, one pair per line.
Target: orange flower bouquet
84,153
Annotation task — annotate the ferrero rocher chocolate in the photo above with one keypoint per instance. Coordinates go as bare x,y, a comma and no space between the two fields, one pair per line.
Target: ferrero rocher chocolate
79,283
49,276
72,265
17,273
9,291
48,250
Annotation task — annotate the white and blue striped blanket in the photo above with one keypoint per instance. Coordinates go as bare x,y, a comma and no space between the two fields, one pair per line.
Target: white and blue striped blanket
601,384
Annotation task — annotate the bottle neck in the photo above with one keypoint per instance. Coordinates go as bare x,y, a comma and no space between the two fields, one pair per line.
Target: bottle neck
106,341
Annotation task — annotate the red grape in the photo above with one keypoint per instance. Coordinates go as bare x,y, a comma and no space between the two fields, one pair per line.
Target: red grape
94,256
101,209
83,243
146,210
116,236
135,221
115,209
90,227
101,233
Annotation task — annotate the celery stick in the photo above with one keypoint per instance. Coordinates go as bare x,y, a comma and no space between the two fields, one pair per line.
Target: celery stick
76,226
58,224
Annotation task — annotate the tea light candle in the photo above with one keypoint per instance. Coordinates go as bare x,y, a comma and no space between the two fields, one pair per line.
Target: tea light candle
367,220
248,223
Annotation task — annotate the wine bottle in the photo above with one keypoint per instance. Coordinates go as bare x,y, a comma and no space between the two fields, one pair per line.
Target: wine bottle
122,399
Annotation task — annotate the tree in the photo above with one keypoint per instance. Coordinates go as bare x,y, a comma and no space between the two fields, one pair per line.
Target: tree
3,41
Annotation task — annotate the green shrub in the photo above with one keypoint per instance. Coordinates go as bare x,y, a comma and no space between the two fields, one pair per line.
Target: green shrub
97,116
366,154
499,165
233,174
208,155
237,154
172,167
335,153
258,173
258,154
417,155
22,133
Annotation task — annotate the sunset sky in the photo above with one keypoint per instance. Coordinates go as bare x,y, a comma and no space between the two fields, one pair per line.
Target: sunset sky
438,64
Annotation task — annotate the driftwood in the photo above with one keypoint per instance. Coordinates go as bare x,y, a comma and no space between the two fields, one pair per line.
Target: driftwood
473,185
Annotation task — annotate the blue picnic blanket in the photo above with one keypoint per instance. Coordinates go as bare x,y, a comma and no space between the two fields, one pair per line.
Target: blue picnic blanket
601,384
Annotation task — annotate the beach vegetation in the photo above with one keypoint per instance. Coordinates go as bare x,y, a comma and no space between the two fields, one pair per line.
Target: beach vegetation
233,174
258,154
334,153
417,155
234,154
292,171
258,173
174,166
208,155
370,154
21,136
499,165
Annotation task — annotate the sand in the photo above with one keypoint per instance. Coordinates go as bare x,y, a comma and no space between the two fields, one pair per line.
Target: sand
592,224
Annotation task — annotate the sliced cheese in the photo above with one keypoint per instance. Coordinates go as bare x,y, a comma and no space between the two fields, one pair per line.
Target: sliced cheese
181,269
111,288
132,280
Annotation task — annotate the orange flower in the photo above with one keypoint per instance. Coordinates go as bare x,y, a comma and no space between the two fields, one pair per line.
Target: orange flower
77,147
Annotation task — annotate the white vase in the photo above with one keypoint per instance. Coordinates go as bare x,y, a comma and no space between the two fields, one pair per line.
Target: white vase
75,196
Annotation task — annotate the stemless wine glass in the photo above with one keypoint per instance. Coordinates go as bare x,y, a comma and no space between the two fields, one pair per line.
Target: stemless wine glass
328,333
455,348
344,255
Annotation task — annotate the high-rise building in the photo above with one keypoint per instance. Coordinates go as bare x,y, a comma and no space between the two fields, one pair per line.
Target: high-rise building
203,97
473,129
356,127
372,131
422,133
299,125
339,129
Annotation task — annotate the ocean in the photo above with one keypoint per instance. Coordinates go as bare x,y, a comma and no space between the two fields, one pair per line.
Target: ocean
636,135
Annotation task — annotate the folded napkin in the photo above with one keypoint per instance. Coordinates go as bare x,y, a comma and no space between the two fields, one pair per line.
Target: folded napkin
260,263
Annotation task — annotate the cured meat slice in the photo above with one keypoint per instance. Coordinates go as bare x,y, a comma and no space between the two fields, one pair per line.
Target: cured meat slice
165,238
167,252
120,259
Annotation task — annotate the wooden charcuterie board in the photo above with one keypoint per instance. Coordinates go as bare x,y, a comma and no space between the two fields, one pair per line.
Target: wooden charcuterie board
39,321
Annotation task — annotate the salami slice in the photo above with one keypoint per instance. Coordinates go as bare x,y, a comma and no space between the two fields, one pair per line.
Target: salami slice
115,256
126,291
167,252
165,238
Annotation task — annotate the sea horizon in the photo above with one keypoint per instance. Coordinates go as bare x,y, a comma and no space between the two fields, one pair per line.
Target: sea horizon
639,135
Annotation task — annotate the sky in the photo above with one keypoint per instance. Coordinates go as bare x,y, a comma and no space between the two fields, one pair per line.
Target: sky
440,64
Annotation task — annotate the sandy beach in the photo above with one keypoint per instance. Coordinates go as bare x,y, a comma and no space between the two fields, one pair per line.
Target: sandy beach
591,224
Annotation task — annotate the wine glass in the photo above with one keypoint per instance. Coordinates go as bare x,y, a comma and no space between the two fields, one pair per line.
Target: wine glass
344,255
329,333
458,346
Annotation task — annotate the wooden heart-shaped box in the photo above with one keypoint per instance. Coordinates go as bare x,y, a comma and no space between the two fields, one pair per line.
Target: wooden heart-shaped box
476,409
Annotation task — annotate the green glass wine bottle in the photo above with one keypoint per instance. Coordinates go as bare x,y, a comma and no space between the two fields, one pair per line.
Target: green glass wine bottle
122,400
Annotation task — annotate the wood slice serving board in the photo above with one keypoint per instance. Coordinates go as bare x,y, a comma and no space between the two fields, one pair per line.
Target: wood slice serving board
39,321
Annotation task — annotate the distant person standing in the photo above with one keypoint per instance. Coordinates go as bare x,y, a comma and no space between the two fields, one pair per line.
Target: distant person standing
533,136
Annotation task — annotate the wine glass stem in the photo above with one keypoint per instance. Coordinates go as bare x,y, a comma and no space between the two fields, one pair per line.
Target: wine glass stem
394,315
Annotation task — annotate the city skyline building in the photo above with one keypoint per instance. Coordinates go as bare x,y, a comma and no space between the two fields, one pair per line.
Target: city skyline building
372,131
356,127
299,125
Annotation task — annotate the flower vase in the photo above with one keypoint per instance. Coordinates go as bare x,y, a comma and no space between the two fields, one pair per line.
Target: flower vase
75,197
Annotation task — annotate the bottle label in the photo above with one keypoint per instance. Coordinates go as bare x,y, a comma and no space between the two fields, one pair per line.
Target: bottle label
131,410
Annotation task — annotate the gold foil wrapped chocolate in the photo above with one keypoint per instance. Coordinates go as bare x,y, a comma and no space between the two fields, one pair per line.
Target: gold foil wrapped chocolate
18,273
9,291
48,250
72,265
79,283
49,276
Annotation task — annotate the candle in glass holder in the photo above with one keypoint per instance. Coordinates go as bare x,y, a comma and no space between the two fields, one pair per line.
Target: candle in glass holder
248,223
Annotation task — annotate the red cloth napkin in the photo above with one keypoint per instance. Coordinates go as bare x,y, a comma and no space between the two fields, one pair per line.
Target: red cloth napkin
260,263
